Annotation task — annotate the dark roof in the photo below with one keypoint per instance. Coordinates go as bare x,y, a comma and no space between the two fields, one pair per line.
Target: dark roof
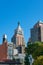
10,62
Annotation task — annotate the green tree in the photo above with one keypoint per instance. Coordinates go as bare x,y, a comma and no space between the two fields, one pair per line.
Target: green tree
38,61
26,62
36,49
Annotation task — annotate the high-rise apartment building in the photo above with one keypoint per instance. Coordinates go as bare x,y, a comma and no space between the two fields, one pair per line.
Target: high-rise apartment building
37,32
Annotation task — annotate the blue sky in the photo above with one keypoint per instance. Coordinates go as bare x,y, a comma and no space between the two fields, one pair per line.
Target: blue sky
28,12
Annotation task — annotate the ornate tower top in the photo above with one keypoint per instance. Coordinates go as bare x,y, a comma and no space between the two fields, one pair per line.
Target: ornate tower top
4,38
18,39
19,29
18,23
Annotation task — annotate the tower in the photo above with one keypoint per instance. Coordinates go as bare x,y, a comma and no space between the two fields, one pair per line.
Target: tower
37,32
4,38
18,39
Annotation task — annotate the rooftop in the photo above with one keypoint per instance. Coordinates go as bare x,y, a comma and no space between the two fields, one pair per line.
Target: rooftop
19,29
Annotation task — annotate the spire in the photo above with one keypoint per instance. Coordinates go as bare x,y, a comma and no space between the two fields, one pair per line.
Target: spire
18,23
19,29
4,38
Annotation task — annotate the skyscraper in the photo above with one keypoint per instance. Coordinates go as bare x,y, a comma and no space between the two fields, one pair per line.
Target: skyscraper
37,32
18,39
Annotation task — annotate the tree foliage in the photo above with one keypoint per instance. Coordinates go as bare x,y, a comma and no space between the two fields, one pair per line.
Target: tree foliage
38,61
36,50
26,62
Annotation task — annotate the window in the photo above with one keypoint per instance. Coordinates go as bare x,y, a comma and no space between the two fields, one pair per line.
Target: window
10,50
20,49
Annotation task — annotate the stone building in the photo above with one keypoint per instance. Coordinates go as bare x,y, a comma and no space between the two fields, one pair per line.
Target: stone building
18,39
14,49
37,32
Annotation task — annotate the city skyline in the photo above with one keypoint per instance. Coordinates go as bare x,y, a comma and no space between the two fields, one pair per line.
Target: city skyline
27,12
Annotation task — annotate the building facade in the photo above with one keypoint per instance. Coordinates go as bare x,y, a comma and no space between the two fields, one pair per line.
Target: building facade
14,49
3,49
18,39
37,32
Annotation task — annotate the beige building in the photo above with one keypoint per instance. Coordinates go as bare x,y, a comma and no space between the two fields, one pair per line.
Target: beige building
37,32
18,39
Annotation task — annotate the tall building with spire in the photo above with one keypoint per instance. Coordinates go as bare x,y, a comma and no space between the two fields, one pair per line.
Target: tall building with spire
18,39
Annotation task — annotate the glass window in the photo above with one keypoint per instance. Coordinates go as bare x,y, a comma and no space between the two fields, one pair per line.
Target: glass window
10,50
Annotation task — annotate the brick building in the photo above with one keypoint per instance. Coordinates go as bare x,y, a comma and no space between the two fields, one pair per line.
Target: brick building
14,49
3,50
